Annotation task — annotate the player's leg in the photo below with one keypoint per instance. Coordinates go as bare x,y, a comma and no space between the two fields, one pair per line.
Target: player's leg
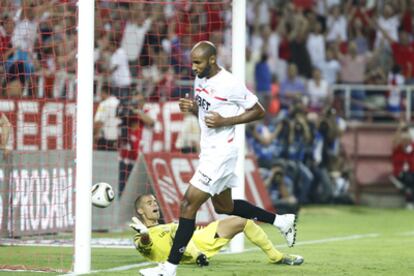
229,227
193,199
224,204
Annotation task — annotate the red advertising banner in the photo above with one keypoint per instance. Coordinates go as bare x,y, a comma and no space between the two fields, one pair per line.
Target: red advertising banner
171,172
50,125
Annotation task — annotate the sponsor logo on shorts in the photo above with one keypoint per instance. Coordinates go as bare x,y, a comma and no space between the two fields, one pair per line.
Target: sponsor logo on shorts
204,179
182,249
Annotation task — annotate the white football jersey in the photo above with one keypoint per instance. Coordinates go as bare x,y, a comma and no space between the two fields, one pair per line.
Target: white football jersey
225,94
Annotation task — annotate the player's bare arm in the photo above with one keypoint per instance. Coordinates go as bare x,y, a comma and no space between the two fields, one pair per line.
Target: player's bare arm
188,105
148,121
214,119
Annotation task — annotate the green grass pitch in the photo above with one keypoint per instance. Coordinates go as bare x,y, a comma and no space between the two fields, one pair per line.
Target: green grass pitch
333,240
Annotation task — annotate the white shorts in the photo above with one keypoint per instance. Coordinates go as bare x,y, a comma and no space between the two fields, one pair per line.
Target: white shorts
215,173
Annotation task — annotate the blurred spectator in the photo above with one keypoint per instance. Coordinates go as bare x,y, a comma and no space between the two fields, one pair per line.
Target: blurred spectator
326,154
19,70
403,163
353,67
133,37
263,80
330,68
223,51
48,69
150,76
274,104
106,122
261,137
165,88
403,52
251,60
133,119
389,21
395,80
266,41
281,189
407,21
299,145
359,34
299,54
341,174
6,30
318,91
336,25
316,45
188,136
322,7
119,68
26,29
6,128
263,12
291,87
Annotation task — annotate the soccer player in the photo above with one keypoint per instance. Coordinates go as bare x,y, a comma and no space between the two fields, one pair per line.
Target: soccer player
153,240
219,98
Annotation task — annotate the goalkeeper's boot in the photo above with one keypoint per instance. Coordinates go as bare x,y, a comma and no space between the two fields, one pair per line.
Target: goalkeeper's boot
289,259
287,226
163,269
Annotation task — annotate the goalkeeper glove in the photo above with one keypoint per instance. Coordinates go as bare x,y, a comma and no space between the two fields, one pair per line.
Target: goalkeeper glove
202,260
138,226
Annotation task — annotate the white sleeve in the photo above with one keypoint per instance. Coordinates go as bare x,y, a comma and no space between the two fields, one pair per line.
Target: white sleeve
242,96
100,114
114,60
147,25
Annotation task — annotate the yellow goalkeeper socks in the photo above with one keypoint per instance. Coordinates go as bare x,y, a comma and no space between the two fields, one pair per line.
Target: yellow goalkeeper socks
257,236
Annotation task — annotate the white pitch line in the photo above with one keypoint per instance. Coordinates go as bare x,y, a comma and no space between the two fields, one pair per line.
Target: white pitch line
411,233
322,241
333,239
24,271
118,268
67,245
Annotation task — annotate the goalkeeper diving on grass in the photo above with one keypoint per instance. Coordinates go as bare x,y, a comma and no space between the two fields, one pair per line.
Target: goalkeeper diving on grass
154,240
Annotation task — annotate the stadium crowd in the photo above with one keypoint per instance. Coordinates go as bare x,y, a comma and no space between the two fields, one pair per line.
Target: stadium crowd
297,50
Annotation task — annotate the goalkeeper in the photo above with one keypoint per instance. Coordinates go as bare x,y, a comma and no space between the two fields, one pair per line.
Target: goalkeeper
154,240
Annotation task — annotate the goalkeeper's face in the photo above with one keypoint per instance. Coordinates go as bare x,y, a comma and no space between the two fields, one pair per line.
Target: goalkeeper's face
149,208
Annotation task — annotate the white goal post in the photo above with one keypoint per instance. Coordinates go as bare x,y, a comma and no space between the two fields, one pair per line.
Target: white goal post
84,138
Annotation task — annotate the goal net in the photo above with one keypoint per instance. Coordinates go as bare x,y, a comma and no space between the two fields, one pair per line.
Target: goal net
142,143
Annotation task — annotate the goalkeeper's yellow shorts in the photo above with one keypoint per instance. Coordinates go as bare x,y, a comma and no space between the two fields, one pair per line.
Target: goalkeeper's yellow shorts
206,241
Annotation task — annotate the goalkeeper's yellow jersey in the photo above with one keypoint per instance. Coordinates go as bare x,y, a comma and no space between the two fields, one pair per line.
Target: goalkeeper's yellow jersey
161,242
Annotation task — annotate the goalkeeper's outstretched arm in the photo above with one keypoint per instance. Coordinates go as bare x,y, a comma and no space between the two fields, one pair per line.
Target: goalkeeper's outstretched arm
142,239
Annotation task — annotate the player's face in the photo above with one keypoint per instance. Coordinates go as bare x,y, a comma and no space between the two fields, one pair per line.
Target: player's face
149,208
200,64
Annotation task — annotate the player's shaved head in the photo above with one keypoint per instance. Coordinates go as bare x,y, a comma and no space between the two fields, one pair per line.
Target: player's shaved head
203,58
205,49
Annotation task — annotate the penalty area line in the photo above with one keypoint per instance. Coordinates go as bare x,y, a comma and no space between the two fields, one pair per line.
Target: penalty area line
321,241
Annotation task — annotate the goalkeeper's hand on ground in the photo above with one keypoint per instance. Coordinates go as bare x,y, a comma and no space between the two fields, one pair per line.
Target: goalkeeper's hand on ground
138,226
202,260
